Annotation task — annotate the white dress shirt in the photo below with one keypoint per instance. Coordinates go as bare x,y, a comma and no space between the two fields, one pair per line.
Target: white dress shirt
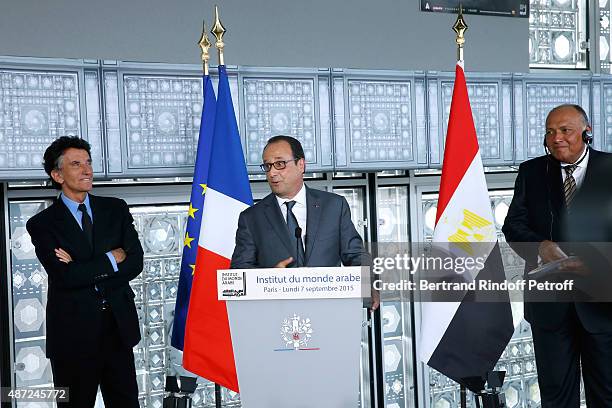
299,209
579,172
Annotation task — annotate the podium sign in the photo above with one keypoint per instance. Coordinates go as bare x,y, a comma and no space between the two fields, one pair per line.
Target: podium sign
290,283
296,335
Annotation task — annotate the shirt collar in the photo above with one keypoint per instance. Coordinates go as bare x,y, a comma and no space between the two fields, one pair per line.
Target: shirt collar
582,162
300,197
73,206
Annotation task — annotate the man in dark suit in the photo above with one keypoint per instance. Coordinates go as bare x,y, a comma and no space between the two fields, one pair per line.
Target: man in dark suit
90,250
295,225
553,202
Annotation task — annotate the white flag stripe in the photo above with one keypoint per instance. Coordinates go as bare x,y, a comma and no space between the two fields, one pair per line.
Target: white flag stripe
218,232
471,194
439,316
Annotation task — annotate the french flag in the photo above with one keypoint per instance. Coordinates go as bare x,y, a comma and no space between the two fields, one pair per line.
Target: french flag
208,348
194,216
465,339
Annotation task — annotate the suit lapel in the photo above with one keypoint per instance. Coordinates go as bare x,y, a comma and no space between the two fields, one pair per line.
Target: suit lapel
275,218
589,176
557,198
65,222
313,218
101,217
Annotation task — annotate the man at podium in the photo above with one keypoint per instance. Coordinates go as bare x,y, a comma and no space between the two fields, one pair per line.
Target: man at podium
295,226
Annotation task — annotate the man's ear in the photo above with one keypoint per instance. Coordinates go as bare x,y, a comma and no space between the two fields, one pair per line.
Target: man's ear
302,165
56,175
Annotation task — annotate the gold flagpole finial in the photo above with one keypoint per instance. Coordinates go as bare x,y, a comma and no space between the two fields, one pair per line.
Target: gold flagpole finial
204,44
460,27
218,31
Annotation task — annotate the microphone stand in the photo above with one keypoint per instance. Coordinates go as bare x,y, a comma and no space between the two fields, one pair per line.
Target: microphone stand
298,239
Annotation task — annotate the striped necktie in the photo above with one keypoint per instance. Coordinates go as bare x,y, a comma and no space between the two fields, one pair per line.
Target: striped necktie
569,185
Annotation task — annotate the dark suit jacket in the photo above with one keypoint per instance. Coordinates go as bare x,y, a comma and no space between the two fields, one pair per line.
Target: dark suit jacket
74,314
262,238
538,213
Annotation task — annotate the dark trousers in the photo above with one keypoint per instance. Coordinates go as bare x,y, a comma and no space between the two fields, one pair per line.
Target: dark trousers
111,367
559,356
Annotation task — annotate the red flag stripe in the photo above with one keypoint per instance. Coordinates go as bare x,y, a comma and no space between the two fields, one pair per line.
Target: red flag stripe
209,336
461,142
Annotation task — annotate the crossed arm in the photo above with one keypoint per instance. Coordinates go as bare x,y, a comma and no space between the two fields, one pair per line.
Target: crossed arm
67,271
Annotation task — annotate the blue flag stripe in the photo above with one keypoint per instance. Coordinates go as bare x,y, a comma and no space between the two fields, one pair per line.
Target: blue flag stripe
200,176
228,174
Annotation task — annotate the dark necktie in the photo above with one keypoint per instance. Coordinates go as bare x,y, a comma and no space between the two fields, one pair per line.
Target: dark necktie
88,230
569,185
87,224
292,225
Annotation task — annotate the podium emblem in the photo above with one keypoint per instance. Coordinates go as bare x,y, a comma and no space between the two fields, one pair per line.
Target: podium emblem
296,332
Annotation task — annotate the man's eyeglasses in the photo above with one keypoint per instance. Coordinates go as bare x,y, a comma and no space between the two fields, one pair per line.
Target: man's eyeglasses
278,165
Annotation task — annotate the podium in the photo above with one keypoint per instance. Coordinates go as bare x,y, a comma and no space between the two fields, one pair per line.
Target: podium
296,335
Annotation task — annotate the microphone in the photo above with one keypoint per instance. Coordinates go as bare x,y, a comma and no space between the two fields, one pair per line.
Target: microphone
298,242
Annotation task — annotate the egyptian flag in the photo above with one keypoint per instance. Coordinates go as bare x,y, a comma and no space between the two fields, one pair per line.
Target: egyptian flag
465,338
208,348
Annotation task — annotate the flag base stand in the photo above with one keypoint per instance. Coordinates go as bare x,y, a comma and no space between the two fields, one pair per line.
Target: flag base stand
177,402
463,394
178,391
490,397
217,396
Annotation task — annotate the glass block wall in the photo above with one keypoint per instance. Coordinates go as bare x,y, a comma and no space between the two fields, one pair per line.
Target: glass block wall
355,197
557,34
161,230
604,41
29,285
396,315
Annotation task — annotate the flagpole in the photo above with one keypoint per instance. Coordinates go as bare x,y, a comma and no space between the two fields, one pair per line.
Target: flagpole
466,359
204,44
218,31
209,352
460,27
